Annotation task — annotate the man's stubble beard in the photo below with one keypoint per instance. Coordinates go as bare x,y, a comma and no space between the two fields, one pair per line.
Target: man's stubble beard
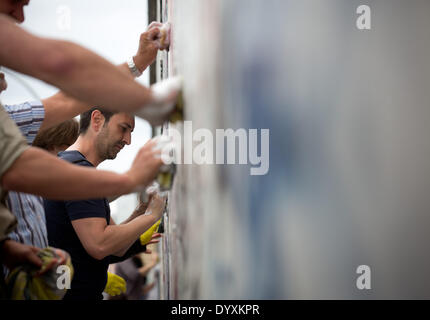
104,150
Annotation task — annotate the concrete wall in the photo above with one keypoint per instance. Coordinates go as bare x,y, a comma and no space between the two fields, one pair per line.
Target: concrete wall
349,178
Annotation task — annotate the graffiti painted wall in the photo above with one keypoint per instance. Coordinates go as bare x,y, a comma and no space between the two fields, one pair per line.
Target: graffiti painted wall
349,177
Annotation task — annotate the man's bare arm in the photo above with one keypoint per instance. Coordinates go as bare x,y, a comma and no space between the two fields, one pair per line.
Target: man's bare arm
41,173
148,49
61,107
101,240
75,70
38,172
154,207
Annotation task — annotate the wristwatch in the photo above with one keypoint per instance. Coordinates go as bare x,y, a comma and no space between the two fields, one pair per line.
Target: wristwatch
133,69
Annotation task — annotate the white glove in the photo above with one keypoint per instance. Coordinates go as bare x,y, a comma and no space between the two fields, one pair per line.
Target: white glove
154,189
164,97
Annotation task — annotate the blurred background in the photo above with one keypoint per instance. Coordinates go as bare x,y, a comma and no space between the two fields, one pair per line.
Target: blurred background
348,112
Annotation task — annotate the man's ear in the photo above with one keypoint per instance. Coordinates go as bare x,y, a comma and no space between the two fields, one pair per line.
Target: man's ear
97,120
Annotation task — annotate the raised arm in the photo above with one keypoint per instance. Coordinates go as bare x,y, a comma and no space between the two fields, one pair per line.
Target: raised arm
75,70
147,50
61,107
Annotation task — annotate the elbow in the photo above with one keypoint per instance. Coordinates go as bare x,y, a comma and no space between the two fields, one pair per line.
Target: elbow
98,253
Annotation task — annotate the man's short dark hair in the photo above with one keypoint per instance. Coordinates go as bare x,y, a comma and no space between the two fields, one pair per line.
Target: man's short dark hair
85,120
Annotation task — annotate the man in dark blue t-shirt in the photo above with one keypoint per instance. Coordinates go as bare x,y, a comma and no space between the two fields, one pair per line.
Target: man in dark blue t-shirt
85,228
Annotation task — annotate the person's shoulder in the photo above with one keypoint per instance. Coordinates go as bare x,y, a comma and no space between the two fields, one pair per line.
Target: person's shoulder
74,157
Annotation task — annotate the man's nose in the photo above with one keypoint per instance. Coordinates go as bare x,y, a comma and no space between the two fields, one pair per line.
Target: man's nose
127,138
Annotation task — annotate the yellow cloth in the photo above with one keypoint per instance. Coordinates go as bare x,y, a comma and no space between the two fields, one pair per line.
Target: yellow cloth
147,236
23,284
115,285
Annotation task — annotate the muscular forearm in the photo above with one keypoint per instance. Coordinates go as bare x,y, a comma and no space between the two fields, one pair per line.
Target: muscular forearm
117,239
38,172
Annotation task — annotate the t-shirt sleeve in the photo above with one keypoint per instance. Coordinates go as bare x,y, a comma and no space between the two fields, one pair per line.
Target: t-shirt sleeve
95,208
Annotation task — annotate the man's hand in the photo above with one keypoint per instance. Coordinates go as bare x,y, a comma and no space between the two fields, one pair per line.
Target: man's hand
141,208
156,207
62,258
149,236
115,285
164,96
146,165
3,83
15,254
148,46
163,38
154,240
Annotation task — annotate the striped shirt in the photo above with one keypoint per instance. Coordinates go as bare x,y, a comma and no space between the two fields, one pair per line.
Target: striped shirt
27,208
28,117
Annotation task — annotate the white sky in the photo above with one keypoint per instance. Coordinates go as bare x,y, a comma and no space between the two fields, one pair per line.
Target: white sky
110,28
